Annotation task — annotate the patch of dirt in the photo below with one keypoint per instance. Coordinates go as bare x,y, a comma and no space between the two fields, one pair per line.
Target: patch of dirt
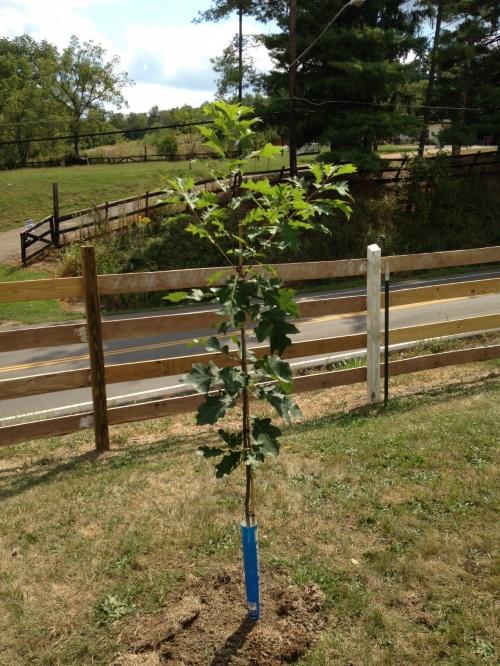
208,626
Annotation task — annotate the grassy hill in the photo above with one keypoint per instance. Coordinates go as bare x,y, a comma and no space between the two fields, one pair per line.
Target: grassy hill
27,193
385,519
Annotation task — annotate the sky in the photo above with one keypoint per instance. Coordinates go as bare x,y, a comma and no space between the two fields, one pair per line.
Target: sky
163,51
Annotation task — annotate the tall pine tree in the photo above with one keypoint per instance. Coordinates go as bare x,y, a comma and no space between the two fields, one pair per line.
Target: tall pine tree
352,85
468,72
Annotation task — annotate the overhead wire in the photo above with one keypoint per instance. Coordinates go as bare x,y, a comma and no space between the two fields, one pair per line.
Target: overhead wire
106,133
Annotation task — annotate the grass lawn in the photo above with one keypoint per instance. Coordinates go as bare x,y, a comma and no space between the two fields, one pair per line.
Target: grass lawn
390,513
398,148
31,312
27,193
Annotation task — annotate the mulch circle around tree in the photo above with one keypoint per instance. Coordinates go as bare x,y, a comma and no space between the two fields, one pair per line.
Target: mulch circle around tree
207,626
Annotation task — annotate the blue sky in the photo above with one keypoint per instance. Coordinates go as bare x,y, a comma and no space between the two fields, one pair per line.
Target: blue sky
166,55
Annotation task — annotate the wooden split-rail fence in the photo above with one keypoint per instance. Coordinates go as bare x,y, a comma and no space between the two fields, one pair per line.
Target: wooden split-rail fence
94,331
56,229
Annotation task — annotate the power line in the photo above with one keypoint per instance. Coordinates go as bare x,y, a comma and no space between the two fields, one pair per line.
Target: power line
107,133
378,104
271,99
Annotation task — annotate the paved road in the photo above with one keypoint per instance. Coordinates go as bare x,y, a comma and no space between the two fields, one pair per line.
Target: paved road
10,246
43,360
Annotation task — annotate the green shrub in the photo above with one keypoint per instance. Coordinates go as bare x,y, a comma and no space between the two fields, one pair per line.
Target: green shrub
166,144
363,160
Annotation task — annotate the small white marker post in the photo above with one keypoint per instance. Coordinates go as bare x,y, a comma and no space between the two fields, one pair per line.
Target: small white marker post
373,277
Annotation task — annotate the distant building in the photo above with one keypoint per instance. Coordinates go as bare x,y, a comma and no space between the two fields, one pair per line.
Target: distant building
434,130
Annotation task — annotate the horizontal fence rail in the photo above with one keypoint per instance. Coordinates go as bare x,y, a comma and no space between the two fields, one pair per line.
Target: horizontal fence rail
207,317
72,287
65,425
139,370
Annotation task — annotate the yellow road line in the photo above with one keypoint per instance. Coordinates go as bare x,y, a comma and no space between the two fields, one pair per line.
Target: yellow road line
348,315
175,343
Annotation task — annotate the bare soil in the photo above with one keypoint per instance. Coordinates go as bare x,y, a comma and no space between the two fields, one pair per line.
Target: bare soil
208,625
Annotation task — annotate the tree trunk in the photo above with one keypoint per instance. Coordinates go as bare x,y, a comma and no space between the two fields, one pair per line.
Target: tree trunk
292,78
463,100
75,131
430,81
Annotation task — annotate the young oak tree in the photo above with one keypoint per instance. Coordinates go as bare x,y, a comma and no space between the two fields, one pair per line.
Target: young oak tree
245,222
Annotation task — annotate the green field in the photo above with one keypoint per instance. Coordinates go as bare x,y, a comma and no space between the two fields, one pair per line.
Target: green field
31,312
391,513
27,193
398,148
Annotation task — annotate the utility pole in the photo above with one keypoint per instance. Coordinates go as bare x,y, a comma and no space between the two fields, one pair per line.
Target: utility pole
240,53
430,81
293,62
292,80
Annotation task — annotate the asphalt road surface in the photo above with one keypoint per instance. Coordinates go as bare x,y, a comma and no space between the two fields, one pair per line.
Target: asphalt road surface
40,361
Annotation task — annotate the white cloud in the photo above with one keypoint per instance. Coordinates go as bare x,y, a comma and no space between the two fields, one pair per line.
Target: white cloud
169,63
174,53
175,61
143,96
52,20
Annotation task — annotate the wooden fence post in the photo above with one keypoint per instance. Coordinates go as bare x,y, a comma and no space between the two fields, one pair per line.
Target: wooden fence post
373,277
55,213
96,354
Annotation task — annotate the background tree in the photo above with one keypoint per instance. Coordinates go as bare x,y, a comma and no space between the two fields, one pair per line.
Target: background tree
351,81
80,79
231,63
23,102
468,76
231,80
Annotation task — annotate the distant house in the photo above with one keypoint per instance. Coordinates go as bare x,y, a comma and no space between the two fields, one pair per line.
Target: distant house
309,149
434,130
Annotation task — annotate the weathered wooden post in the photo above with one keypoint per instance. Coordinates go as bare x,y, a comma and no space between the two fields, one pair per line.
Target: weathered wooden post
55,213
386,333
373,278
96,353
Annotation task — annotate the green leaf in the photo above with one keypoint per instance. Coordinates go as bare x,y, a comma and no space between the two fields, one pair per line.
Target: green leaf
287,303
176,297
213,344
228,464
260,186
272,325
344,169
234,380
270,151
283,404
278,370
233,439
213,409
203,377
264,437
